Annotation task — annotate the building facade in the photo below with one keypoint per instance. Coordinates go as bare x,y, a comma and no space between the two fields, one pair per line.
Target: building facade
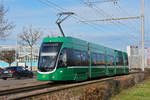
134,56
23,56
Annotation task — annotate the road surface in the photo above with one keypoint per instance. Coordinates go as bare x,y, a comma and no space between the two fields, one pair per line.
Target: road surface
11,81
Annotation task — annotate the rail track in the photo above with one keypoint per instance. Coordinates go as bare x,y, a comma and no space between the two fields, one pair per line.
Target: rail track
24,89
24,92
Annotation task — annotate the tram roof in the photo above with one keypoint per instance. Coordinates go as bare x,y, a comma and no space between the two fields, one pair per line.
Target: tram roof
79,41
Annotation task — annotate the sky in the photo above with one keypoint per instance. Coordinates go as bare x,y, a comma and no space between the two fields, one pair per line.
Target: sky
42,14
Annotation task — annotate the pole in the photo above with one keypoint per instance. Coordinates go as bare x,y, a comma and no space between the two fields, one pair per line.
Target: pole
148,58
142,26
31,57
17,51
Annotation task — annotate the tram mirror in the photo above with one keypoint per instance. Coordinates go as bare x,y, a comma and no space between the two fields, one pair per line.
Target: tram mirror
61,54
62,60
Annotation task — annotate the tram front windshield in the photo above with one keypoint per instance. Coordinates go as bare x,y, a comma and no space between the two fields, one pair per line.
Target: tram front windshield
48,56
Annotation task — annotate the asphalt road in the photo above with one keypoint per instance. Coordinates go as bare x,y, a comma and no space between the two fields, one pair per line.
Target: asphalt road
11,81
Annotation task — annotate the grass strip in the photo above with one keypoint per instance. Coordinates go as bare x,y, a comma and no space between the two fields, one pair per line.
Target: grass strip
140,91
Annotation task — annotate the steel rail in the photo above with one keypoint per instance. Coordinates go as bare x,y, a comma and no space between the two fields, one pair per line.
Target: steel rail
20,93
24,89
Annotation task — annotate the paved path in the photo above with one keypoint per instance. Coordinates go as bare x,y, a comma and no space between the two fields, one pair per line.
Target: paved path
11,81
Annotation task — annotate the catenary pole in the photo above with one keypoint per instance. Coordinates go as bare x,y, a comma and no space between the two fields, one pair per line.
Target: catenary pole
142,37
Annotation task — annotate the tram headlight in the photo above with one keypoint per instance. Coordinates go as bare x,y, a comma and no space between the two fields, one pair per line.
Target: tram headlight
61,71
43,76
53,76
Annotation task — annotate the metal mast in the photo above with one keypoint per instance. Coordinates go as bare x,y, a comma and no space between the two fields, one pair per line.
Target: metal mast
142,41
60,20
142,27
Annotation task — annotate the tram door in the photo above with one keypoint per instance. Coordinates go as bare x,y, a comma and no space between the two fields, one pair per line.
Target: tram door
89,61
110,60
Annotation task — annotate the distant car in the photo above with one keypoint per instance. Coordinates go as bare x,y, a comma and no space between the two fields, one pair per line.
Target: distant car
16,72
1,72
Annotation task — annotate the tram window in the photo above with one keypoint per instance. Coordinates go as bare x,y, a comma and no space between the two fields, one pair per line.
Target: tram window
69,57
100,59
110,60
74,58
84,58
119,61
93,59
97,59
50,47
77,57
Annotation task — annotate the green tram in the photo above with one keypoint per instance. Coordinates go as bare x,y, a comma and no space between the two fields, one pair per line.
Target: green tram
72,59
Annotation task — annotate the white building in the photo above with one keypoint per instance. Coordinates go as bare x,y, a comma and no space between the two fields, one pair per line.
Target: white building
23,55
135,57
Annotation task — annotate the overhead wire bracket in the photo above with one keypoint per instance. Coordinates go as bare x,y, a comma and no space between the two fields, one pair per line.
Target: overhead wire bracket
91,2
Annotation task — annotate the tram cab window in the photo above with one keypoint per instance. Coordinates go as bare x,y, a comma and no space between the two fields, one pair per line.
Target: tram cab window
48,56
62,62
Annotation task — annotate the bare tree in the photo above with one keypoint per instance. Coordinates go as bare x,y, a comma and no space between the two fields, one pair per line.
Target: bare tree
5,26
8,56
29,37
